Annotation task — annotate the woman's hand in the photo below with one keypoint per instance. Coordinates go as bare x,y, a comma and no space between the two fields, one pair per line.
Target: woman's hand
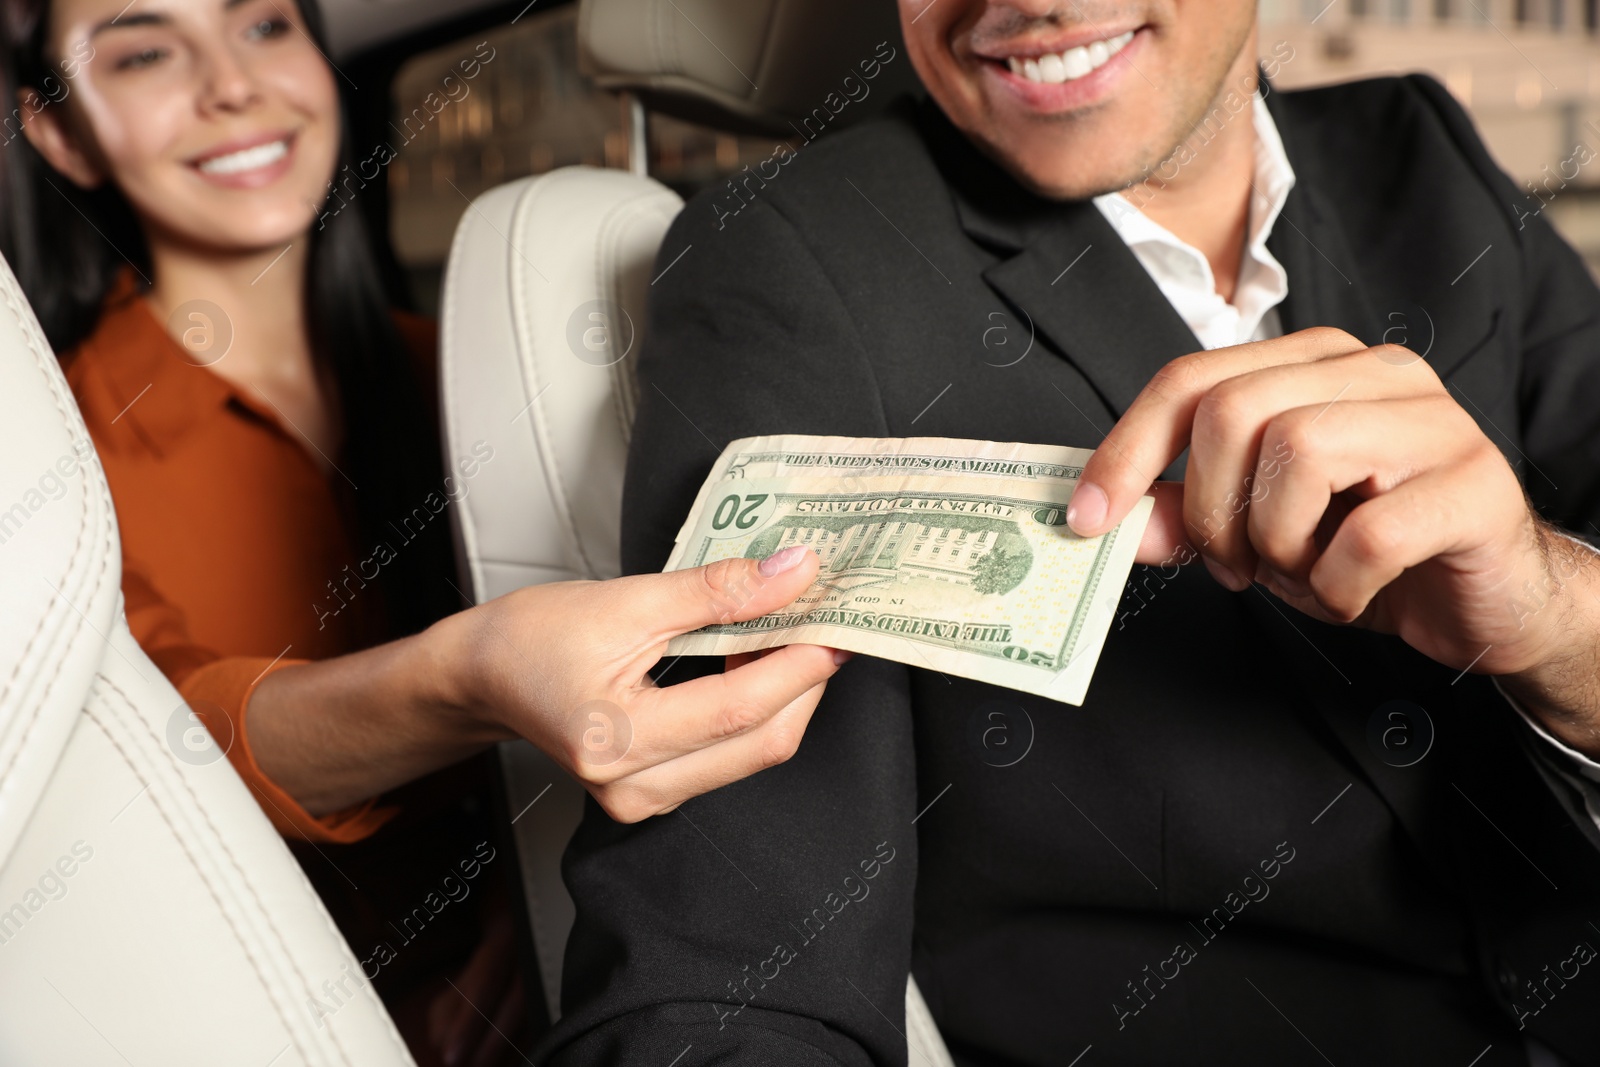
565,665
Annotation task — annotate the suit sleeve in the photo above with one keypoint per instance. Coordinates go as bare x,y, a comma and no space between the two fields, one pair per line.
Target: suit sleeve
1558,330
769,921
1559,334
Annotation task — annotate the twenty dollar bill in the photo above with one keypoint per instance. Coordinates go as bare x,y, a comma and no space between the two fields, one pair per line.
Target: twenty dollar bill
945,554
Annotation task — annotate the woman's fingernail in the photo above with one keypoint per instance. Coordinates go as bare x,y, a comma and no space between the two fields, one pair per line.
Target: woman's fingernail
782,560
841,657
1087,509
1225,576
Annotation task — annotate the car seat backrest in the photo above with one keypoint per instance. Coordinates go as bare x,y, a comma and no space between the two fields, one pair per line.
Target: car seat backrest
543,313
149,913
60,568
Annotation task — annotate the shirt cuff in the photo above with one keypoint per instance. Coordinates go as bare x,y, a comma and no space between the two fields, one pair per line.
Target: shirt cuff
219,694
1575,768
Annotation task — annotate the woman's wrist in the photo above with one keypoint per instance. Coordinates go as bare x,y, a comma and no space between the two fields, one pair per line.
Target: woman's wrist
448,672
336,732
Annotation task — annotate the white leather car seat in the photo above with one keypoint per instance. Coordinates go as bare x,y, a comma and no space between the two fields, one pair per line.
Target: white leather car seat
543,312
532,261
149,913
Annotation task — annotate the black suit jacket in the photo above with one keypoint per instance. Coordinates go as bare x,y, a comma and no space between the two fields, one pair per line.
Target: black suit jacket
1214,860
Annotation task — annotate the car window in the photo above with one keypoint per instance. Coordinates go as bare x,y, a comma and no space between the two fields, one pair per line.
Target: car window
508,102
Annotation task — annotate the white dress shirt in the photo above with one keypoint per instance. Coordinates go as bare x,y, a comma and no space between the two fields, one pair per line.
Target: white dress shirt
1184,276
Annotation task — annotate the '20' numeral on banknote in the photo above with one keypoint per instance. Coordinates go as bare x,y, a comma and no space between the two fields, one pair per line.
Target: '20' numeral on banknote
729,512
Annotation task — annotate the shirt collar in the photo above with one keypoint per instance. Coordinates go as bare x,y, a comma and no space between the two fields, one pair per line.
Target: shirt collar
1182,270
161,391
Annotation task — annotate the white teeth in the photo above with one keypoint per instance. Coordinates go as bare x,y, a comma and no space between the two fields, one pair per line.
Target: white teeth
1070,65
257,156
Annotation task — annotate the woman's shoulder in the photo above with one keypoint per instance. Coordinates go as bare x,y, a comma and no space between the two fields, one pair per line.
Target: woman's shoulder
120,361
119,304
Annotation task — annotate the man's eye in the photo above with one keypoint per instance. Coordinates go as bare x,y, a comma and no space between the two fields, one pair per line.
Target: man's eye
144,58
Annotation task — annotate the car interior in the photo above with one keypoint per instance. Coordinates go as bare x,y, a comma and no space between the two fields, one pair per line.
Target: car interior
207,940
522,163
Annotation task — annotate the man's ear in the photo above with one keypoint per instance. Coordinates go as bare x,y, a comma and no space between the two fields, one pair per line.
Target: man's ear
45,126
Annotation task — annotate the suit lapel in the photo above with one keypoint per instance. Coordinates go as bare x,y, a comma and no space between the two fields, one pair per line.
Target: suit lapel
1068,271
1064,268
1324,285
1094,302
1110,321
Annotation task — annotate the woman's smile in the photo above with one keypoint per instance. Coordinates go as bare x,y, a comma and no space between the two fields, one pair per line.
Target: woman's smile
248,162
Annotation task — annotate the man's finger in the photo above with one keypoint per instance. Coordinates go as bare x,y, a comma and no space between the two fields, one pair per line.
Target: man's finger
730,590
1383,537
1316,452
1229,470
1155,429
1165,540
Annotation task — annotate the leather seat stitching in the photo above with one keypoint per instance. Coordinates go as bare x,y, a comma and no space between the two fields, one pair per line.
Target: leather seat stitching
55,384
221,844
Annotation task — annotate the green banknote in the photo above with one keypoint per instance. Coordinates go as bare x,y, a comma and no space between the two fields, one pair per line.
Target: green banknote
945,554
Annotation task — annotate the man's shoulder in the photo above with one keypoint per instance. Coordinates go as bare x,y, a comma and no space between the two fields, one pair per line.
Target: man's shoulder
884,140
1362,97
1378,139
1387,117
803,179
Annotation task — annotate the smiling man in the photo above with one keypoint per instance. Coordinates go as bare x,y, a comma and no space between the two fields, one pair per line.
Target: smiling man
1332,795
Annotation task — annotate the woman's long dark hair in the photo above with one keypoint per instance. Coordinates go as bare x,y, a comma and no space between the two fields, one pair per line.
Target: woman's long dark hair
67,256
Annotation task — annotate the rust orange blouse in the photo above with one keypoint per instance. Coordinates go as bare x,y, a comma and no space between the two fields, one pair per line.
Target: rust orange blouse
231,534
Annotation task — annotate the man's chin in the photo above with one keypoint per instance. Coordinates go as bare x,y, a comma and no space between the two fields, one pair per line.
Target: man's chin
1079,170
1062,176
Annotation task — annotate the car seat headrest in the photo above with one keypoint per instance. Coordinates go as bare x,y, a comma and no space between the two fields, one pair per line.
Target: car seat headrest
783,67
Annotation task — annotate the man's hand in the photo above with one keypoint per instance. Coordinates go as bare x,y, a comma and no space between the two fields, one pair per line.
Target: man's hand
1349,482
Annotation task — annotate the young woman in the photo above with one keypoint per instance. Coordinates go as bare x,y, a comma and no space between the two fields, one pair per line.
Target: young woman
264,420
